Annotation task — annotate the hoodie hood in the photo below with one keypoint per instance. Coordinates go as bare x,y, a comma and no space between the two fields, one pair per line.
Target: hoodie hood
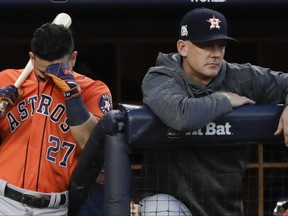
171,64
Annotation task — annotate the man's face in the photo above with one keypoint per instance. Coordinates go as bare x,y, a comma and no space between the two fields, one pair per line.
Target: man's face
203,61
41,65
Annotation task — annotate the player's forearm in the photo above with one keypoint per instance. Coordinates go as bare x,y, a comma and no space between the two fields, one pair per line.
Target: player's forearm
82,132
80,121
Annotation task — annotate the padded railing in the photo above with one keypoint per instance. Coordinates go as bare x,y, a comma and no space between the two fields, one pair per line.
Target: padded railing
251,124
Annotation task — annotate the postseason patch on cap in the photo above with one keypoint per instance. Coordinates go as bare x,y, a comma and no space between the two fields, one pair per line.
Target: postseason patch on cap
184,31
105,103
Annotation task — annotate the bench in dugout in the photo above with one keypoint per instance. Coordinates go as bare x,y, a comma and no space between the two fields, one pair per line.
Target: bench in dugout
266,178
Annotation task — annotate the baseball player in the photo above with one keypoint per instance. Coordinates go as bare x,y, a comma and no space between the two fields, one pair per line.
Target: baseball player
187,90
48,121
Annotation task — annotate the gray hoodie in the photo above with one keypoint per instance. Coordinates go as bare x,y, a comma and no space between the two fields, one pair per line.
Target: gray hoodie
206,178
186,105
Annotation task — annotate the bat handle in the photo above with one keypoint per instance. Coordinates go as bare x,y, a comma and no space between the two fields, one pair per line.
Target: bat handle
3,106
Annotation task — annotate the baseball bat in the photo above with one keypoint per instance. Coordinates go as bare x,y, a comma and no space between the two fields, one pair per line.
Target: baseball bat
60,19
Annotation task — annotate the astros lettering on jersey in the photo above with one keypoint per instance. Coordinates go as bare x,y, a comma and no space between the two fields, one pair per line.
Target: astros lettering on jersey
42,152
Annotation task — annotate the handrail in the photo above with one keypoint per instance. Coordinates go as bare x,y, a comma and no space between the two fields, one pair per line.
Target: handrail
249,123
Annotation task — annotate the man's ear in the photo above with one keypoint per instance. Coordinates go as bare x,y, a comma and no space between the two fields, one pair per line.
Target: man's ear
73,58
32,57
182,48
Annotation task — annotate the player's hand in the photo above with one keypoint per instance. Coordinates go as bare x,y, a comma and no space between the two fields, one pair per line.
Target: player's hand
283,125
112,122
9,93
63,78
237,100
8,96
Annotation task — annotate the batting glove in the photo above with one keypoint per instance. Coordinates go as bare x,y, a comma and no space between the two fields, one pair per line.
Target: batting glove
63,78
112,122
9,93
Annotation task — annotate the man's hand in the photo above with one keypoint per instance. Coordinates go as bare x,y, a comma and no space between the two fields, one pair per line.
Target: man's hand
9,94
112,122
63,78
283,125
237,100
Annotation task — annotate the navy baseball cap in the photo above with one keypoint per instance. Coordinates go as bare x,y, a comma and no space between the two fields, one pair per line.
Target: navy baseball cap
203,25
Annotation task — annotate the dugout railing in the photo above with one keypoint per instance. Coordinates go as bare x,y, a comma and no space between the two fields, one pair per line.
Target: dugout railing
250,125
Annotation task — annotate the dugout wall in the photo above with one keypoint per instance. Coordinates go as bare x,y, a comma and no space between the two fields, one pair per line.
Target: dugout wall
254,125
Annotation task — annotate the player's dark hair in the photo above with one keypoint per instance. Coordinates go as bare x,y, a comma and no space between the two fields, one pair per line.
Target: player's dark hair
51,42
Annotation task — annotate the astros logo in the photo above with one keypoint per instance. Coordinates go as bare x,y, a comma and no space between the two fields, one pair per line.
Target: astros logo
214,22
105,103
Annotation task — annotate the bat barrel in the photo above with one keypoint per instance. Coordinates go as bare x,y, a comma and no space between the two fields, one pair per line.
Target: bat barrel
63,19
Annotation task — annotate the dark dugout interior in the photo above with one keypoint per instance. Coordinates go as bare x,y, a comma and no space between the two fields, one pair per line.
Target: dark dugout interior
119,40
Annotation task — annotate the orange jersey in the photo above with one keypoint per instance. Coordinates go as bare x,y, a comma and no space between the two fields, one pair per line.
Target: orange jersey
37,150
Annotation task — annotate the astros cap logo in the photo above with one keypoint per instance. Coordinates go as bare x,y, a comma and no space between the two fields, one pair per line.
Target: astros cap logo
214,22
